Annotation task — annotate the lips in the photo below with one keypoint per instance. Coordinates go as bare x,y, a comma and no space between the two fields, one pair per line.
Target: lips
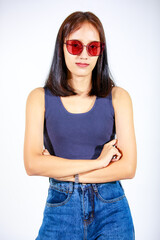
82,64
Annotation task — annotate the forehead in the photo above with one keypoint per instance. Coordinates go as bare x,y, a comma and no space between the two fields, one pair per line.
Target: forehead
87,32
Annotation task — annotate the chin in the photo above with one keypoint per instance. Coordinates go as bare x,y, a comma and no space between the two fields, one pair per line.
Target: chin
82,74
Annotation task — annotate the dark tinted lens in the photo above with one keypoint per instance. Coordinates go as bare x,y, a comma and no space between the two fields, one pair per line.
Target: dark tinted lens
74,47
95,48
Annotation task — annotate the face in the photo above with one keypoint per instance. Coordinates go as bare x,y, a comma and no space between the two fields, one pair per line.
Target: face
86,34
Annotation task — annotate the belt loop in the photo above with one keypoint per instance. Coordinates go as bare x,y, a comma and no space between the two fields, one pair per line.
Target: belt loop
50,180
94,187
70,187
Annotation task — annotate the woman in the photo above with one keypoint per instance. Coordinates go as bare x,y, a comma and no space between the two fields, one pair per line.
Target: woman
78,112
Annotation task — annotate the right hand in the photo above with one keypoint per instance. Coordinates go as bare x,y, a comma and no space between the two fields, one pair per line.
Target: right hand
108,153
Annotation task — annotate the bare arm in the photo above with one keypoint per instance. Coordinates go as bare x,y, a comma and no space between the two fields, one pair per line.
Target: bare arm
35,162
124,168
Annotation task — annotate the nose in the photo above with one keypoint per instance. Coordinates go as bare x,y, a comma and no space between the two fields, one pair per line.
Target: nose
84,53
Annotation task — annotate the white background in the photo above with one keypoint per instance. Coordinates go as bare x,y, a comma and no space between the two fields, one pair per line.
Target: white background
28,31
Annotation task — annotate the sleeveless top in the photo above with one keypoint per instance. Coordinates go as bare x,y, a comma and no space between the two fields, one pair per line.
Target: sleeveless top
77,135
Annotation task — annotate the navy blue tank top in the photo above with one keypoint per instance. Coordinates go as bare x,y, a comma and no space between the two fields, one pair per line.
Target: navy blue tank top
77,135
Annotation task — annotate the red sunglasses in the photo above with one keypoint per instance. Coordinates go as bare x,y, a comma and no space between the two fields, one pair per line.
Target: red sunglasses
75,47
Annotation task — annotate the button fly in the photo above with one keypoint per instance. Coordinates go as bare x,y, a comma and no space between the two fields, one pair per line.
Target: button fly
88,204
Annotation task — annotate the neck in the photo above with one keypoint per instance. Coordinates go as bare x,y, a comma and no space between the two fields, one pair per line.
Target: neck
81,84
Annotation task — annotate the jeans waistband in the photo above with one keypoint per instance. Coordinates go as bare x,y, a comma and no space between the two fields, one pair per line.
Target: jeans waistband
69,186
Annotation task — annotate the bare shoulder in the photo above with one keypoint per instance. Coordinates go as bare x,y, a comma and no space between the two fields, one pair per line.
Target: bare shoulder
121,98
120,93
36,96
39,91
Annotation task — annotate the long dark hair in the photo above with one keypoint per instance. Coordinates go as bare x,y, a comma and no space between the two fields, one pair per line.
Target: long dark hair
57,78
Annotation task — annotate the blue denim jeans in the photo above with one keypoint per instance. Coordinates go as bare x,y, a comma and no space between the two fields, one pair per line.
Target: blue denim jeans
77,211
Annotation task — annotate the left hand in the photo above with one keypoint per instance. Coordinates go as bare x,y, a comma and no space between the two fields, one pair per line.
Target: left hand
69,178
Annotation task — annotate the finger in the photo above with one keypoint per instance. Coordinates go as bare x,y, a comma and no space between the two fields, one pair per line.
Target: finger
118,156
45,152
113,142
115,158
115,150
116,153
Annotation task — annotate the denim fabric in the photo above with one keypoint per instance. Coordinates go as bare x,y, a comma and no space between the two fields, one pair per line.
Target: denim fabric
76,211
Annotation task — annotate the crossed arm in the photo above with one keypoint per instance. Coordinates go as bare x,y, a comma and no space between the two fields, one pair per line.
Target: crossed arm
113,172
124,168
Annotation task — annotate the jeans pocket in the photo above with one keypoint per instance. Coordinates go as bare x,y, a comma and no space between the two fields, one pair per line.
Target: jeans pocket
57,196
110,192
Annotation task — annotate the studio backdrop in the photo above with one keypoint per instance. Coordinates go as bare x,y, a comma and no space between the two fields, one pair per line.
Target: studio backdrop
28,32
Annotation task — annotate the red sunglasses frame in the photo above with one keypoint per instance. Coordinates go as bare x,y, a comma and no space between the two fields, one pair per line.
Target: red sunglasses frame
102,45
